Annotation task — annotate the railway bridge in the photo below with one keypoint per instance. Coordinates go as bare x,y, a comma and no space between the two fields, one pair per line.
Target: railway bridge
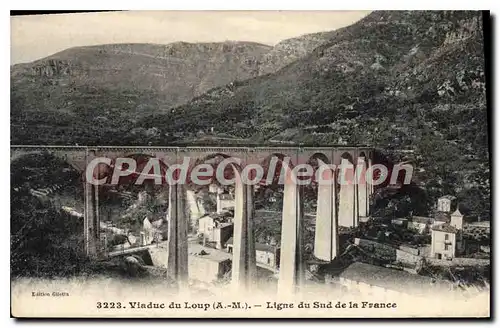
337,204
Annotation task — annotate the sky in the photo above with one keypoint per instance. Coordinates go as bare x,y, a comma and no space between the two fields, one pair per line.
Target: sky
38,36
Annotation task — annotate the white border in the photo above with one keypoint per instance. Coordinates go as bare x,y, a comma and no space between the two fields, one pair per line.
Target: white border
206,5
257,5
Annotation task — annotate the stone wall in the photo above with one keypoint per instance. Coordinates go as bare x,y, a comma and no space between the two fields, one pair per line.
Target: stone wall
459,261
406,257
411,250
383,251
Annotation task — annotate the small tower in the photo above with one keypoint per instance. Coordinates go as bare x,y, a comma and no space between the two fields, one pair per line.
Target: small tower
457,219
446,203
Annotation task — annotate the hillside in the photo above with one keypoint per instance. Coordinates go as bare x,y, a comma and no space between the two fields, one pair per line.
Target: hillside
290,50
175,72
394,80
79,91
80,94
384,62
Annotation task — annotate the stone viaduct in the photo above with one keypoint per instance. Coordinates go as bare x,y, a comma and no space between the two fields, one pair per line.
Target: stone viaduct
337,204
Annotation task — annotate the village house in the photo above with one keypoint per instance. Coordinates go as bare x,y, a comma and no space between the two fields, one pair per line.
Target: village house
265,255
420,223
215,229
446,242
224,199
215,189
225,202
423,223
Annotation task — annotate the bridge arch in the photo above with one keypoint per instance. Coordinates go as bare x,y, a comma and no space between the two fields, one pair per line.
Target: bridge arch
292,271
244,269
129,182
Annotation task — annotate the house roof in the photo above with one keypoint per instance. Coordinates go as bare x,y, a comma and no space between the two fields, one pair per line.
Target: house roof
442,216
456,213
397,280
422,219
445,228
224,224
449,197
439,216
226,197
258,246
264,247
217,217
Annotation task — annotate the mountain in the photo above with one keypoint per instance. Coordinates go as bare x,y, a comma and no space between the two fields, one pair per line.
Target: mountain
409,83
73,96
73,91
289,50
174,72
372,69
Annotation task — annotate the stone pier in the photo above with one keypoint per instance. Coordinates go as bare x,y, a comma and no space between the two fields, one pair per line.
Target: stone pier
292,269
326,242
177,235
362,187
91,222
347,197
244,267
369,184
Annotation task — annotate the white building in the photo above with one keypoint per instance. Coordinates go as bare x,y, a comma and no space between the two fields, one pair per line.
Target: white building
213,188
446,203
224,202
457,219
267,255
423,223
446,242
420,223
214,230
